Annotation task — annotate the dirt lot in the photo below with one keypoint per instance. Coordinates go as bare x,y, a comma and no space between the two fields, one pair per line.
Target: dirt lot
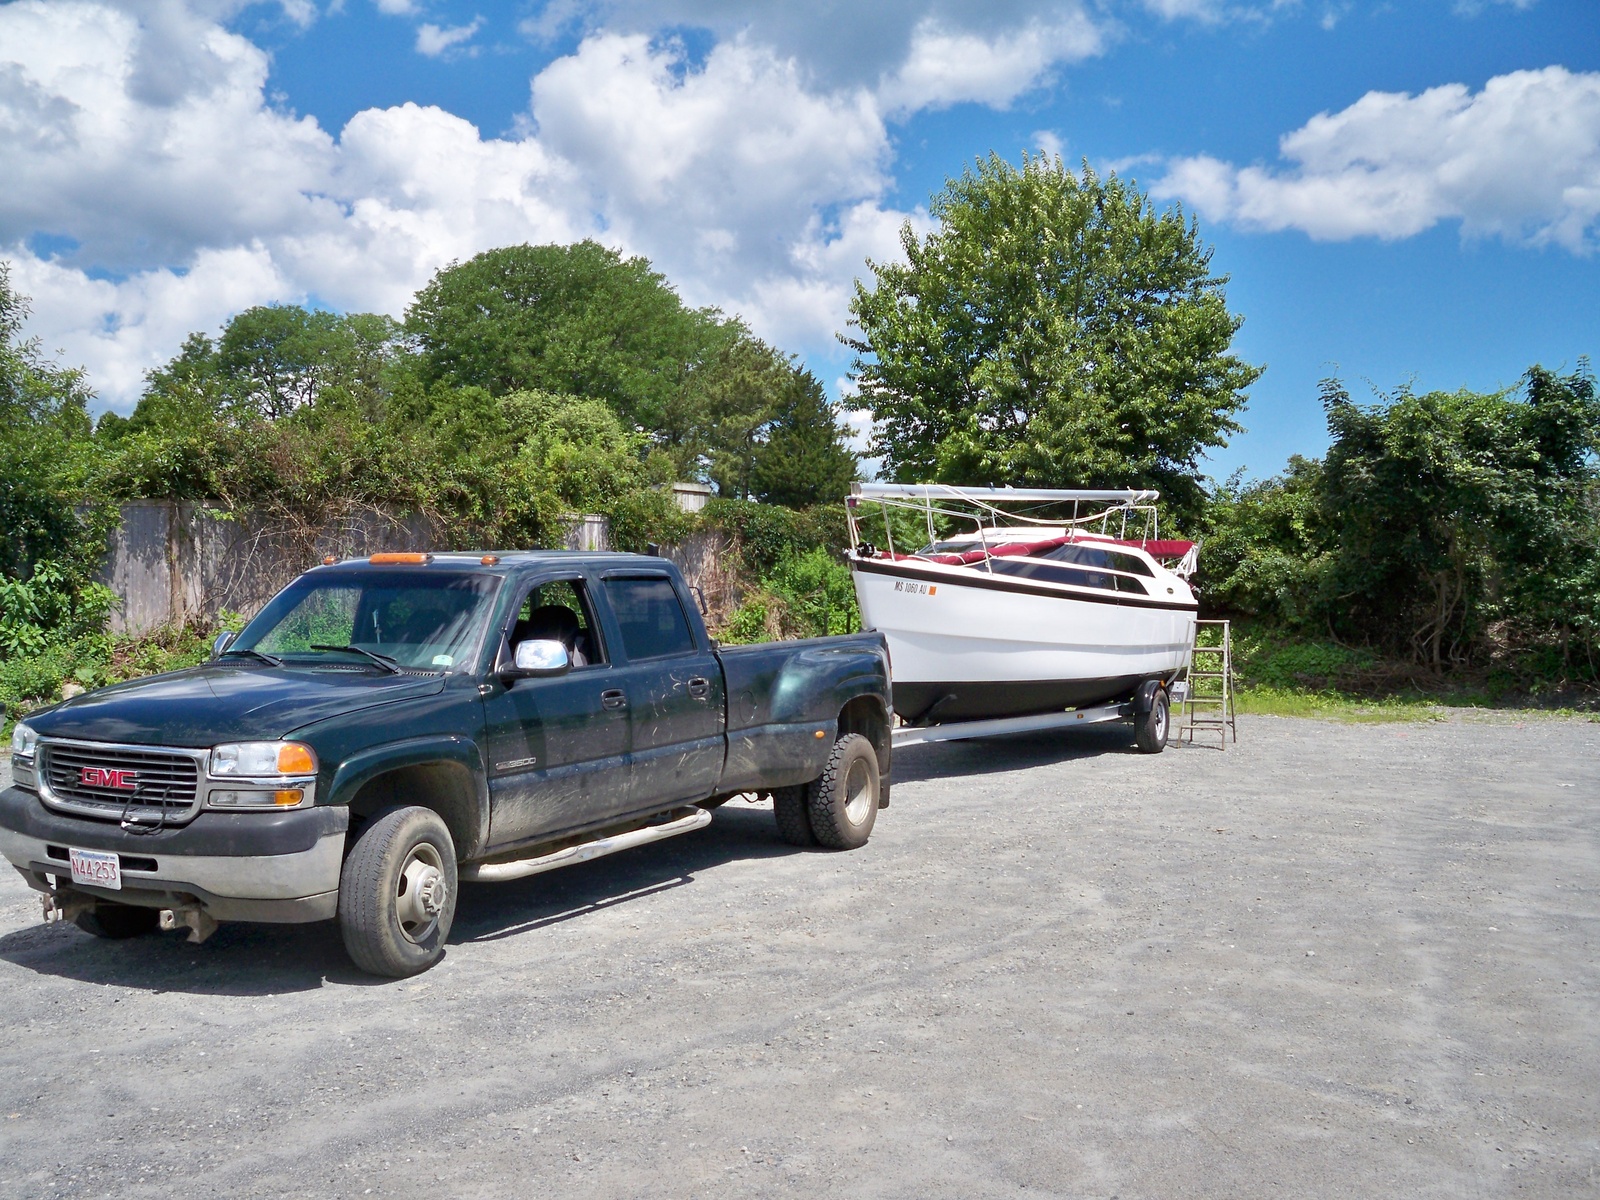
1333,961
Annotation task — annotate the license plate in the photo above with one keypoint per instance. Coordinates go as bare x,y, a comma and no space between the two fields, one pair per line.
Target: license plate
96,868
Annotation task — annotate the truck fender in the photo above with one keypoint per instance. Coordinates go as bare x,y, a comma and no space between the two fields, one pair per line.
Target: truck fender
359,769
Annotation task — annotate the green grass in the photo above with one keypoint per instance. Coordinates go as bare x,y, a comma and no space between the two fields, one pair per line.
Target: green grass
1288,702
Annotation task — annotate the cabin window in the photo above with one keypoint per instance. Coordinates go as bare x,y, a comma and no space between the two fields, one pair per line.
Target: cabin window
650,618
1100,556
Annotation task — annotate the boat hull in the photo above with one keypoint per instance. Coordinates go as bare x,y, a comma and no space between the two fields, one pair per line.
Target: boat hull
964,649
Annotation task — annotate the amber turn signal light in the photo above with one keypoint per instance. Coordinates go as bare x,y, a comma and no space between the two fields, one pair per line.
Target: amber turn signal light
294,759
395,559
288,797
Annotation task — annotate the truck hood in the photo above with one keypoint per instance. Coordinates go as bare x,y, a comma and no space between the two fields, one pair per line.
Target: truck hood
224,702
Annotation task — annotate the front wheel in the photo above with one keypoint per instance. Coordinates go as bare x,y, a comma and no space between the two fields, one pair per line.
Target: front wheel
1150,730
397,895
844,799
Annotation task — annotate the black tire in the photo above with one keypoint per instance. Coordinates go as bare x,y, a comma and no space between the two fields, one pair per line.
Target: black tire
118,921
844,799
397,894
791,807
1150,731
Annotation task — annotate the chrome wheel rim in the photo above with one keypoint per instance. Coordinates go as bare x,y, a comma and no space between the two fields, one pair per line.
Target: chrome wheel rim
858,793
1161,721
421,892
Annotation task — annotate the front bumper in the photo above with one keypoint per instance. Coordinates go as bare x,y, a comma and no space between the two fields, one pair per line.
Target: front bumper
268,866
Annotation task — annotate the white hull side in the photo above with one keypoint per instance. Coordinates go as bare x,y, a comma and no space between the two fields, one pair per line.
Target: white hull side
944,631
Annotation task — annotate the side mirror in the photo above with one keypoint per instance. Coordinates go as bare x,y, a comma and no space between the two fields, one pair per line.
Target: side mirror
536,659
224,640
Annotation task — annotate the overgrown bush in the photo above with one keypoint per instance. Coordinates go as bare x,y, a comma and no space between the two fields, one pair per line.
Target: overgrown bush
807,593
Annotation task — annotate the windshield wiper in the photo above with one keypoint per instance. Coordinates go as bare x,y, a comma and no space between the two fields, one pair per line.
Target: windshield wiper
272,660
383,660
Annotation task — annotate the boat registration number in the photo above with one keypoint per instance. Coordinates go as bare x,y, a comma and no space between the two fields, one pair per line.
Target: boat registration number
96,868
915,589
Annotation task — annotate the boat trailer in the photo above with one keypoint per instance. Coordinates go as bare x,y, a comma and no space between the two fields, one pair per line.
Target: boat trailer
956,731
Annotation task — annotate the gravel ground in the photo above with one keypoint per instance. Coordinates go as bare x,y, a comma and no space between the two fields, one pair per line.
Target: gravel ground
1335,960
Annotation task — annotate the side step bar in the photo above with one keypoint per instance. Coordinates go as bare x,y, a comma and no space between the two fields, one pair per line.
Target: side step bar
916,735
694,818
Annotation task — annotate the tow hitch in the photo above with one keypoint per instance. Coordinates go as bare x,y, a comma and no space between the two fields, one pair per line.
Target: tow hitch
64,908
197,921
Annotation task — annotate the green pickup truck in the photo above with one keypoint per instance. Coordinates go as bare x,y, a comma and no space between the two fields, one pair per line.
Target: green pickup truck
388,727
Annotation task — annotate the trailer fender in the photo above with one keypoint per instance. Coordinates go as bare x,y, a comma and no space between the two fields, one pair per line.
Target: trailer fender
1145,698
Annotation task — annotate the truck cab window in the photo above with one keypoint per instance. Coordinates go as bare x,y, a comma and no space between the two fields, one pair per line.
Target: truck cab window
559,611
651,618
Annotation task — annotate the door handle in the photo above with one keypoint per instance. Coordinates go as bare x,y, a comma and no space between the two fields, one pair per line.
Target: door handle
699,686
614,698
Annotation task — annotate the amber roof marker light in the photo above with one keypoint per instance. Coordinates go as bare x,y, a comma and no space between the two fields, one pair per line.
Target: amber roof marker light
415,560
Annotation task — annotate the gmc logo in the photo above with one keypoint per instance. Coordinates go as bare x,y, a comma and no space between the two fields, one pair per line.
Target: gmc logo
107,778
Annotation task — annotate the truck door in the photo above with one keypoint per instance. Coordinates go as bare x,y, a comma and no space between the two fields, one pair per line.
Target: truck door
674,690
557,747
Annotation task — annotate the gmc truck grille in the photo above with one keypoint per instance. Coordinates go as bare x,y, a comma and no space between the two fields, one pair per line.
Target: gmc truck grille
120,781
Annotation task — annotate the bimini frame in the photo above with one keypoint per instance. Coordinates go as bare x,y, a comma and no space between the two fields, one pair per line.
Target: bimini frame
983,504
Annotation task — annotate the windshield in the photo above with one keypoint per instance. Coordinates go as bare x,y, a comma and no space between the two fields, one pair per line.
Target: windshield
427,620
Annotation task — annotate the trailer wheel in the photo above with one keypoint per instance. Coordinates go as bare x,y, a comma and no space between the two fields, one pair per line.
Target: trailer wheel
793,811
397,894
1150,730
118,921
844,798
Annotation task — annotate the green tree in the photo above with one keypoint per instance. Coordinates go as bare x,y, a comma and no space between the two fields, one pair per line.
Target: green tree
579,320
1266,548
53,520
733,399
45,453
766,429
1054,330
804,460
1448,528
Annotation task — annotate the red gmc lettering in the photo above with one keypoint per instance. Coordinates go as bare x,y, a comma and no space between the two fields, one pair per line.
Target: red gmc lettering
108,778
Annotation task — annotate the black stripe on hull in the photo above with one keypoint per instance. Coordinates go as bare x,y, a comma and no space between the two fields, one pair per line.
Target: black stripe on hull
1008,583
943,703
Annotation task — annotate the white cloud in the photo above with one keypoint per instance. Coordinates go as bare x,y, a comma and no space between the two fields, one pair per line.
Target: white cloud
1471,8
190,196
860,44
397,8
123,329
144,142
1519,160
946,66
1049,143
433,40
737,151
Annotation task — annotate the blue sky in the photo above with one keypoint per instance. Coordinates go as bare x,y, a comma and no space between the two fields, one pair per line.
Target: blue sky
1400,192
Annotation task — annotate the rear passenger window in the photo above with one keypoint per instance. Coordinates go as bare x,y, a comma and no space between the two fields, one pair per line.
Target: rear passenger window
650,617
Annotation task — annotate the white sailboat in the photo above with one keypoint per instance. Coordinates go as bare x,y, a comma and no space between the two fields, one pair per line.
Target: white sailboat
999,614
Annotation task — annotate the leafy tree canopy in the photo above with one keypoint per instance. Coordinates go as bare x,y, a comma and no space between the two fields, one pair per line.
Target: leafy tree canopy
1446,527
1054,330
580,320
45,451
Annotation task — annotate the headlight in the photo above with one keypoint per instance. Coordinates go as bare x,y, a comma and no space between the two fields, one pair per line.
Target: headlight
254,760
24,741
